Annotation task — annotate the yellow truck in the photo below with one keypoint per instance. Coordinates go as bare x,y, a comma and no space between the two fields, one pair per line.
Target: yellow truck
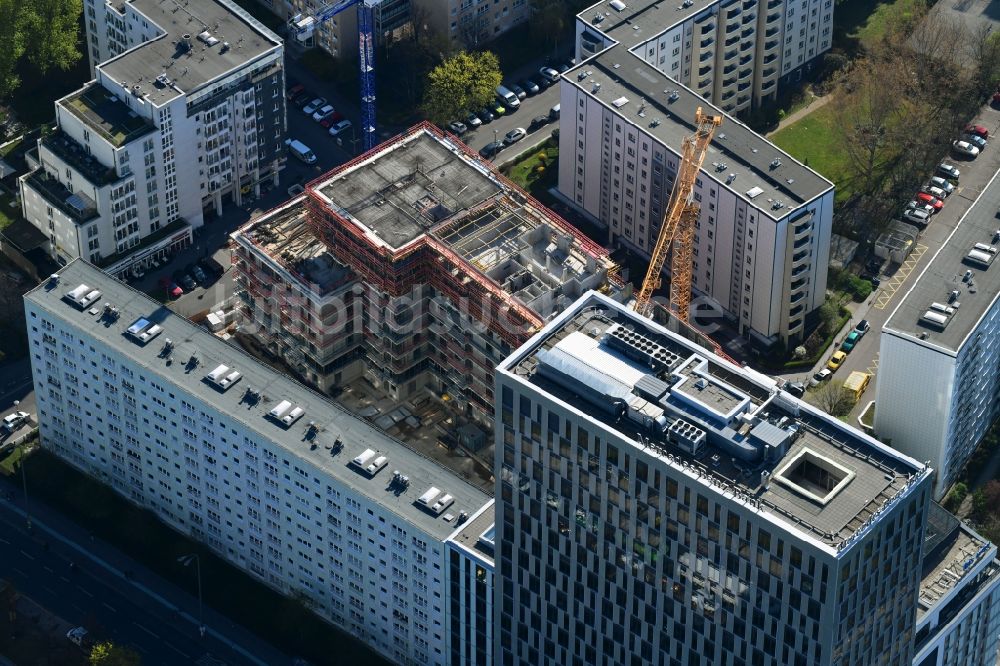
856,383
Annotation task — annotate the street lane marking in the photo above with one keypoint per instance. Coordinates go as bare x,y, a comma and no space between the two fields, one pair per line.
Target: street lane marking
64,579
873,368
889,288
26,555
49,590
109,607
146,630
85,591
48,569
178,650
19,571
5,541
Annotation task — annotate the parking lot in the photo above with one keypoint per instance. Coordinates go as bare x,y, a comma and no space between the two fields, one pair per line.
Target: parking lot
898,278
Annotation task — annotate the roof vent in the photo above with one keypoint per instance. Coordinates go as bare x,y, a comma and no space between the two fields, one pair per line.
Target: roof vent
981,255
222,377
730,178
620,102
655,122
54,278
617,5
143,330
207,38
776,162
370,463
82,296
435,501
754,192
672,95
285,414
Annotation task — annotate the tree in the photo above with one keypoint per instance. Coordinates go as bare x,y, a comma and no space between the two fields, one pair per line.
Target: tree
12,36
548,18
834,399
462,83
109,654
54,33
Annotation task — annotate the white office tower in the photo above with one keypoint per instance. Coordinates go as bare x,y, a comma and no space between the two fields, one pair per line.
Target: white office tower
658,505
938,380
470,588
186,114
304,496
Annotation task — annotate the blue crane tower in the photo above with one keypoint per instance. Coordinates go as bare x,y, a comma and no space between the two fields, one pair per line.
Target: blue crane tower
304,28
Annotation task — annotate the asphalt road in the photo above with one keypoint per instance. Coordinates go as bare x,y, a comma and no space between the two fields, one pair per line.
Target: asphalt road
142,611
895,284
537,105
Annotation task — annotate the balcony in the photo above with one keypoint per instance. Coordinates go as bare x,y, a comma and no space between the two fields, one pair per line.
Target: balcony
172,231
73,154
750,18
732,40
797,297
796,310
728,82
774,4
749,4
729,55
771,32
802,230
769,59
705,43
78,208
799,285
772,18
800,259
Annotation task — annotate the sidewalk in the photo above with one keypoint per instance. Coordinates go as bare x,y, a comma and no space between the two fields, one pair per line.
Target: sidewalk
816,103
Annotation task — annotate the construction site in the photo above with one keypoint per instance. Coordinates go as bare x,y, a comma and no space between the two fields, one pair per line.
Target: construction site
398,281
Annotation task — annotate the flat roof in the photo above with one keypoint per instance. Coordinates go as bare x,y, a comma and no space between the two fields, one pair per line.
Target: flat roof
236,39
951,551
105,113
640,20
272,388
399,193
478,535
946,272
767,450
765,175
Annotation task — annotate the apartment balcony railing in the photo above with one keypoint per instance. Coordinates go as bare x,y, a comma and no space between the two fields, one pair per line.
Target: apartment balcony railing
76,206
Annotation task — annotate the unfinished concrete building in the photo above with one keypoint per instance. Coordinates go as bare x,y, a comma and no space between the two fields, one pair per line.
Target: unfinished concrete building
416,267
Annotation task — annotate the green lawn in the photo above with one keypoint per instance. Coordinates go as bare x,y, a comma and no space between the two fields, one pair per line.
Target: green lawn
816,141
859,23
8,213
538,170
138,533
9,461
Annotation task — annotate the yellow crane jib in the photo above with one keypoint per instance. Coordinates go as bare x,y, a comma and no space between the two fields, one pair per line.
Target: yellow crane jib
677,230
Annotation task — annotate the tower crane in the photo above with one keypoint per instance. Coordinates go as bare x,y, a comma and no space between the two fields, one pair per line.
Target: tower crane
304,29
677,229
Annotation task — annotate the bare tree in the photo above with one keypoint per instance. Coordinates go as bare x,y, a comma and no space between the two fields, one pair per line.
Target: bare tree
834,399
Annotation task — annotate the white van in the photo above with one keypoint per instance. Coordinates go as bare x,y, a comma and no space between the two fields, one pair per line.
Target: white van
508,98
554,113
301,151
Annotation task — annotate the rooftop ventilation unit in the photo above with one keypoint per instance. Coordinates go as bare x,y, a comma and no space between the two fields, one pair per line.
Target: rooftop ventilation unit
291,417
207,38
370,463
981,255
222,377
638,347
54,279
82,296
673,96
935,319
279,410
435,501
754,192
687,436
143,330
617,5
620,102
776,162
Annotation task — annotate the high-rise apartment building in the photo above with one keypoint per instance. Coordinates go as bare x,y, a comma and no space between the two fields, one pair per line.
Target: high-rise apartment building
658,505
735,54
762,242
304,496
416,267
939,380
186,112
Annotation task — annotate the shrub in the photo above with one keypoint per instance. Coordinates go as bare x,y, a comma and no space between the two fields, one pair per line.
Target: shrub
955,496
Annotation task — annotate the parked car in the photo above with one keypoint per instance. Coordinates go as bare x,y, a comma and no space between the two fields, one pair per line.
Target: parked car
978,130
300,151
498,108
942,183
949,171
323,112
916,205
850,341
170,287
514,136
917,216
538,122
340,127
820,377
314,106
294,91
836,360
185,280
458,127
935,191
563,68
797,389
335,117
12,422
977,141
212,267
517,90
548,75
302,98
473,121
529,86
486,115
199,274
965,148
862,326
936,203
79,636
492,149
